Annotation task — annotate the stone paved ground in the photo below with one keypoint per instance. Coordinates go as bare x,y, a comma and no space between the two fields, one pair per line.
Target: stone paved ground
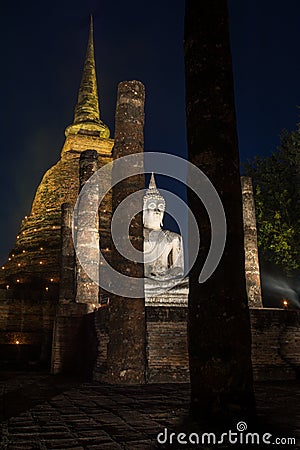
39,411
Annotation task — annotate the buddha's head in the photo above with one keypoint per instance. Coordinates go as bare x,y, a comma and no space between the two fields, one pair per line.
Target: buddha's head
154,207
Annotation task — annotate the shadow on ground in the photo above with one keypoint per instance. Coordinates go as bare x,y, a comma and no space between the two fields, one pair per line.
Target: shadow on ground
41,411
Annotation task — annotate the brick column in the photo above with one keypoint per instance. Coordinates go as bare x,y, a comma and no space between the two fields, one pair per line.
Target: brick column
127,329
87,242
250,243
219,322
67,262
69,336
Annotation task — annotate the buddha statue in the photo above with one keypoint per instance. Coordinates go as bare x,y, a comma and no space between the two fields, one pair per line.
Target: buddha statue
163,249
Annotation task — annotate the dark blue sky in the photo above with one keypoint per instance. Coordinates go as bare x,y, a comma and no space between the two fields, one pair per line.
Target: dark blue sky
42,52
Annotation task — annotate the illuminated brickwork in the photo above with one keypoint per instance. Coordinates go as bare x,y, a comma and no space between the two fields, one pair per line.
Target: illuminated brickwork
34,261
250,243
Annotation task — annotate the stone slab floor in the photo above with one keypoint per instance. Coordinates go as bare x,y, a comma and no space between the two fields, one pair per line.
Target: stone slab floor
40,411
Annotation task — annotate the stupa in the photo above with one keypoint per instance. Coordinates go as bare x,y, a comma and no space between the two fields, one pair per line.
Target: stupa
33,263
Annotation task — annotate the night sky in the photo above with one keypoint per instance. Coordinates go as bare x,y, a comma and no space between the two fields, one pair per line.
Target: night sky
42,51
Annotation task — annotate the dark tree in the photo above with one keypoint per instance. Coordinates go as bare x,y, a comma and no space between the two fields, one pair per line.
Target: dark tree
276,180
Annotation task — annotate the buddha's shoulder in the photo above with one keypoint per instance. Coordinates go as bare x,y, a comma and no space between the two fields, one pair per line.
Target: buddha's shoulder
172,236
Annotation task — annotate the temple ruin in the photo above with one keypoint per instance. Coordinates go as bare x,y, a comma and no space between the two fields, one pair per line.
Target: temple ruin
52,315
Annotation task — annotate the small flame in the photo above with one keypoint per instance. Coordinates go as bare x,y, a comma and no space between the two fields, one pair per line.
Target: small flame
285,303
17,342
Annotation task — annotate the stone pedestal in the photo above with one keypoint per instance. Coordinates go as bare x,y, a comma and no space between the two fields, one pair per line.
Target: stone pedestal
177,296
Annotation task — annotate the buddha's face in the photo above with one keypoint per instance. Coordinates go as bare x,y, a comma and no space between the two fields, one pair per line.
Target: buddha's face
153,213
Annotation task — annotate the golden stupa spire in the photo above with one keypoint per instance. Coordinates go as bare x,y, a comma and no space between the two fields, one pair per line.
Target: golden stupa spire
87,112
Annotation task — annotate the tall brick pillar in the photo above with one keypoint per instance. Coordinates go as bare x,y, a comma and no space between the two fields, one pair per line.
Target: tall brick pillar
87,244
78,293
250,244
67,258
219,324
127,329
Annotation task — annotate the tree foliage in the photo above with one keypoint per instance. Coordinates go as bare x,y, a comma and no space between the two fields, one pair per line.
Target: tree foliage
276,182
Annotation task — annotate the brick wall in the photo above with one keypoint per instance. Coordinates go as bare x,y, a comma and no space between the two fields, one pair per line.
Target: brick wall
275,343
101,327
74,346
166,341
275,339
30,322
